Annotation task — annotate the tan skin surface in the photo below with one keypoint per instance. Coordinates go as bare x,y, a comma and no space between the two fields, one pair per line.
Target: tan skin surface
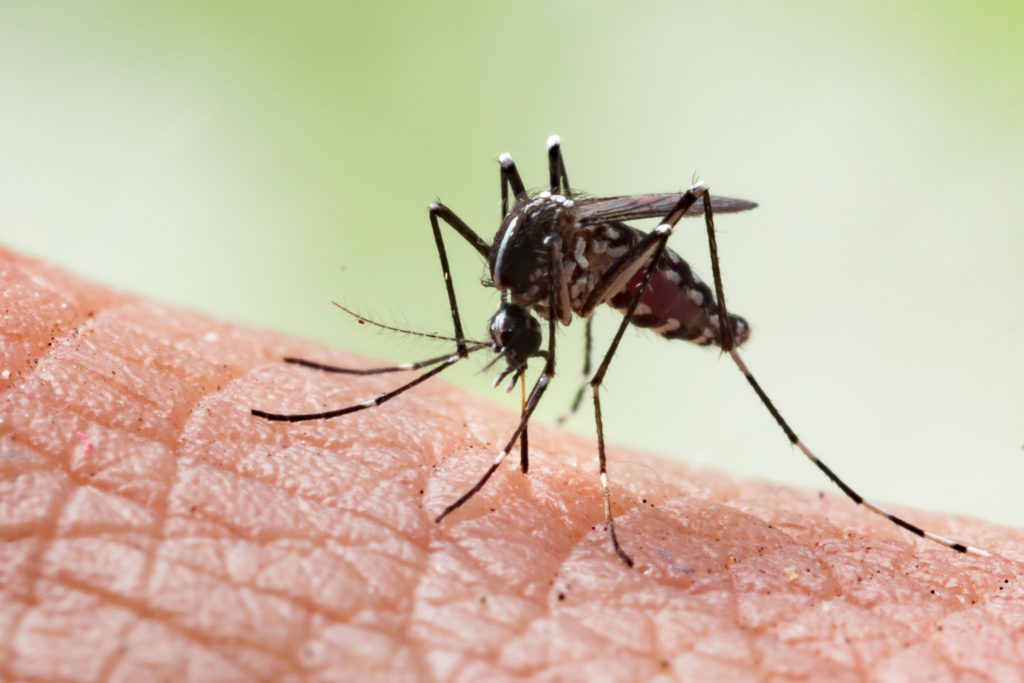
150,528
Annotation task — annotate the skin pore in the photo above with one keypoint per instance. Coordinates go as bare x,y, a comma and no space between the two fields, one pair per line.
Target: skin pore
151,528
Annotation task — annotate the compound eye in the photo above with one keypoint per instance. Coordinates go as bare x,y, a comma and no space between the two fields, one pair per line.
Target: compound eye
515,333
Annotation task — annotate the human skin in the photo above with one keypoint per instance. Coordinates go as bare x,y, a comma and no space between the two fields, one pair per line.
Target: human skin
152,529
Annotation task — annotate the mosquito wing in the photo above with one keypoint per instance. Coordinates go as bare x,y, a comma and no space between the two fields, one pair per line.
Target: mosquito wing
636,206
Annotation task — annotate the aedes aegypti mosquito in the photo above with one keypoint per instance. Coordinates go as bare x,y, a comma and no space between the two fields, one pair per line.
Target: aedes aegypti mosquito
557,255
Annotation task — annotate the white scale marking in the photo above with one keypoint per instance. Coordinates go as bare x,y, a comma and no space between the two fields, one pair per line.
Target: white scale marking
671,325
581,246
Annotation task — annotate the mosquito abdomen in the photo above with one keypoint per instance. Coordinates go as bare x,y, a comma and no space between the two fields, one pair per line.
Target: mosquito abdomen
678,305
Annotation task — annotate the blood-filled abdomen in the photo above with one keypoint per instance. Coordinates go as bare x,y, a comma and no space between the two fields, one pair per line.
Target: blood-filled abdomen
677,304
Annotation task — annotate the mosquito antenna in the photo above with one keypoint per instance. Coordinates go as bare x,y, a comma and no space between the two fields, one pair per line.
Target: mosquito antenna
362,319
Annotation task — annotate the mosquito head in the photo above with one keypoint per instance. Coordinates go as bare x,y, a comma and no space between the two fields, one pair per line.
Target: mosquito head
515,336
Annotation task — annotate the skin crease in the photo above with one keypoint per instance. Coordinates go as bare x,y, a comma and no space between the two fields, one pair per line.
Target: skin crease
151,529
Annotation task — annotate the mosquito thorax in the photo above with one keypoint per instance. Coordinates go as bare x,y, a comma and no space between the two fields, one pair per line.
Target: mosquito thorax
515,334
518,258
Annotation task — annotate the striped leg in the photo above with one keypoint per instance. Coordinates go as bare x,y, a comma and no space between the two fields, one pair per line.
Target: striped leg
646,252
728,346
510,178
443,363
556,168
854,496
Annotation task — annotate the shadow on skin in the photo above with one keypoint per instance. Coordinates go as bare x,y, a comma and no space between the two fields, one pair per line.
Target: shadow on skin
150,527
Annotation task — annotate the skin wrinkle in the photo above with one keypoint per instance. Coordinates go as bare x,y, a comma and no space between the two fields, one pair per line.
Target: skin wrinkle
151,568
280,509
577,537
53,349
140,610
144,609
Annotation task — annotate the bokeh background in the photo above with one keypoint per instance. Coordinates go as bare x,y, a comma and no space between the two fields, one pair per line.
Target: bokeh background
256,160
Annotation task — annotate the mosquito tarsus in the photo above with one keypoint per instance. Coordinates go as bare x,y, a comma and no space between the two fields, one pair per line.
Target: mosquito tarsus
557,255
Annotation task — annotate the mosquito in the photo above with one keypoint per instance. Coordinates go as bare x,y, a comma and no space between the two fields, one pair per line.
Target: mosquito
557,255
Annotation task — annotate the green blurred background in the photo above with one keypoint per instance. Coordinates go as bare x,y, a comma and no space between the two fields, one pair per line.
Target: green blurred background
256,160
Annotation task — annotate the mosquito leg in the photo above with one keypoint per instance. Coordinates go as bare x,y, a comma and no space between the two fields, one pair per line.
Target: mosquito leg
554,252
556,168
324,367
439,210
445,363
509,178
587,352
726,339
853,495
644,254
524,447
728,346
595,385
606,492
